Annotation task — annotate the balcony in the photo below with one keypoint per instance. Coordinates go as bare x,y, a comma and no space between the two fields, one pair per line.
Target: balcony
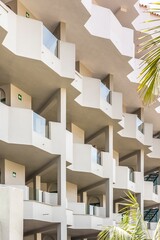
82,208
100,97
155,149
131,179
103,23
29,38
151,192
135,128
88,217
46,213
24,127
88,159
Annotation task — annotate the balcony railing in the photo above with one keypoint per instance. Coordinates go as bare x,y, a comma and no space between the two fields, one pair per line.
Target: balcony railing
39,125
131,175
105,93
50,41
155,189
140,125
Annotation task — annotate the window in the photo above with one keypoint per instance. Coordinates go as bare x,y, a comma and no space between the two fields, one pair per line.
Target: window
2,96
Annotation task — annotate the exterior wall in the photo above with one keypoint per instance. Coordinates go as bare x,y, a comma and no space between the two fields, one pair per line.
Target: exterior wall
71,192
78,134
15,102
21,10
10,169
16,127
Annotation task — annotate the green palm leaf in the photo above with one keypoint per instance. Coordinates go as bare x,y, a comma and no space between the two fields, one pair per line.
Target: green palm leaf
149,84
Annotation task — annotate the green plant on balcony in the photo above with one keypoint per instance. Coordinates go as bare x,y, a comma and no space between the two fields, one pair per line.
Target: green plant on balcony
132,225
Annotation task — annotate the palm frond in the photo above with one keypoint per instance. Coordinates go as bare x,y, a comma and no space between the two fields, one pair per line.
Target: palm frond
156,235
132,226
149,84
114,233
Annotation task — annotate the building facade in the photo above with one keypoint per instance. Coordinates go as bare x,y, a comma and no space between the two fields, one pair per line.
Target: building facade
74,135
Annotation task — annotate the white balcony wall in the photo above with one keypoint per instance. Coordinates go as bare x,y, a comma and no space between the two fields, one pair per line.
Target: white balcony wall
134,75
4,122
78,82
25,38
99,97
155,153
85,159
50,59
122,182
130,125
125,182
100,212
77,208
16,125
41,212
148,192
91,92
69,217
50,198
20,126
103,23
29,44
90,222
69,147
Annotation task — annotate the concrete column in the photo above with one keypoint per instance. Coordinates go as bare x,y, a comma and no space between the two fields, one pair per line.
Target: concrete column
140,161
36,187
140,202
109,198
109,140
38,236
61,112
83,197
60,31
140,168
61,182
62,231
11,213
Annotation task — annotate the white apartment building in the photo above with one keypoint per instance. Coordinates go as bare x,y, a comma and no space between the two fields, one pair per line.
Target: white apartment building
74,135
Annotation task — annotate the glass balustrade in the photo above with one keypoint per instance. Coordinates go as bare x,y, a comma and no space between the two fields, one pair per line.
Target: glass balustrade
155,189
50,41
91,210
105,93
39,125
131,175
99,158
140,125
96,156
